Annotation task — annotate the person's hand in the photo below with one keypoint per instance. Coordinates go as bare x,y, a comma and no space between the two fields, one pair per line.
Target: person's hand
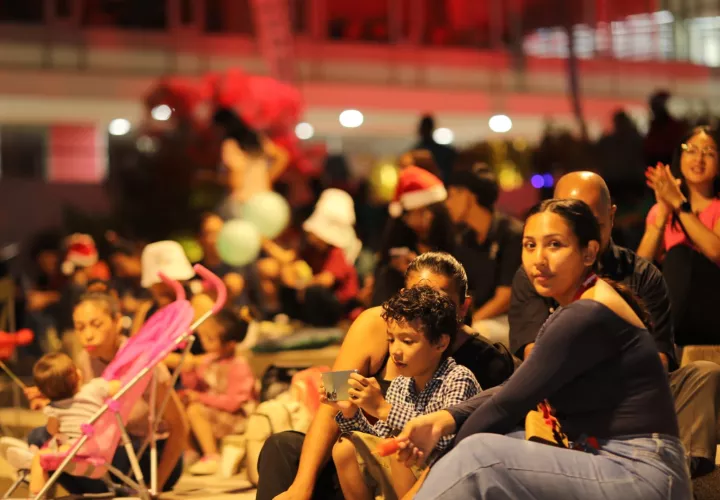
189,363
421,435
666,188
234,283
32,392
36,398
401,262
37,300
367,395
347,408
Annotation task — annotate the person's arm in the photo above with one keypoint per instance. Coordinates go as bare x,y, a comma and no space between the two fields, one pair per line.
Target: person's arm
706,239
497,305
572,343
458,387
652,290
365,341
240,389
189,376
509,259
178,428
278,253
651,244
53,426
140,316
38,300
325,279
357,422
279,158
528,312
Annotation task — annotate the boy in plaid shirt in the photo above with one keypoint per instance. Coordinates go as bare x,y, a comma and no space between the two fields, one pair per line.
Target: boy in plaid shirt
421,325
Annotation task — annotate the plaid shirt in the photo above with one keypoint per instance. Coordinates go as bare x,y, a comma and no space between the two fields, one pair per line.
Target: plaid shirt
450,384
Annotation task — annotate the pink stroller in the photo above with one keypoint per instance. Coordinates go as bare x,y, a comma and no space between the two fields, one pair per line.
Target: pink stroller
92,454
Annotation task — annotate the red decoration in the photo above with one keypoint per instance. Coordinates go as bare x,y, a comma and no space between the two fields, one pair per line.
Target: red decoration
267,104
8,341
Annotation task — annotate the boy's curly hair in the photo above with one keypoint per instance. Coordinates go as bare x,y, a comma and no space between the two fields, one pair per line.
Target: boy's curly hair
432,308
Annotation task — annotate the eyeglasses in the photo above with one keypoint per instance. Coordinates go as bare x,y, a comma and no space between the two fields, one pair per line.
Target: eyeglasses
691,150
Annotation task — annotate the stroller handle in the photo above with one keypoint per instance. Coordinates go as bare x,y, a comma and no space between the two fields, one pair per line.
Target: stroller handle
175,285
216,283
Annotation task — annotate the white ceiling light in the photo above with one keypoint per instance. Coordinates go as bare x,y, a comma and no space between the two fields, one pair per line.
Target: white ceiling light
500,124
119,126
161,113
443,135
304,131
351,118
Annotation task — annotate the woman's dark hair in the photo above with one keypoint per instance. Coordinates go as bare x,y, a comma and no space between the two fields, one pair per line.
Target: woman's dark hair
677,158
443,264
398,234
583,224
236,128
435,311
233,328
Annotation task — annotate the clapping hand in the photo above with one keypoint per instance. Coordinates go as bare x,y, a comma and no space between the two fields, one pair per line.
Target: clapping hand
667,188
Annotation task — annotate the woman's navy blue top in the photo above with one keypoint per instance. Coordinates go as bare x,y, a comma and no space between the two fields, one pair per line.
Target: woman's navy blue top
601,374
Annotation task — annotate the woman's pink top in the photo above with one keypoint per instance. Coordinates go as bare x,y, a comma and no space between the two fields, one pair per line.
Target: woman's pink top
674,235
227,384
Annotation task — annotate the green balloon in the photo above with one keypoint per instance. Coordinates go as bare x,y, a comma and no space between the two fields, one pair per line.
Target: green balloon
239,242
192,248
269,212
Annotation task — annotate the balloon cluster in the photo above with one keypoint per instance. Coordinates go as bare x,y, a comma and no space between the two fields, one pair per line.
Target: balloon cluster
265,215
269,105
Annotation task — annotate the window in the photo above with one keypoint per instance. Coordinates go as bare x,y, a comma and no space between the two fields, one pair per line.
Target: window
23,151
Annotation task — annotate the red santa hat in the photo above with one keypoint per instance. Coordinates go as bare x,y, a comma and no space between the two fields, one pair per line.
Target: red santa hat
81,253
416,188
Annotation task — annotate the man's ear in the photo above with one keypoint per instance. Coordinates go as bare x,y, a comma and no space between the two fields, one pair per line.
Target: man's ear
465,306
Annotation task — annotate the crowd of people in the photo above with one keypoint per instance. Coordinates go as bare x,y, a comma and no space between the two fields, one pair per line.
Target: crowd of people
507,360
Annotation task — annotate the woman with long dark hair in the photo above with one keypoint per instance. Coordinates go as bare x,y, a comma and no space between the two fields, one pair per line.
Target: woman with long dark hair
420,223
253,161
683,233
607,426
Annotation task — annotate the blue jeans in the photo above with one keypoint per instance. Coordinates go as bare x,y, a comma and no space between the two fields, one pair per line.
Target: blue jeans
497,467
77,485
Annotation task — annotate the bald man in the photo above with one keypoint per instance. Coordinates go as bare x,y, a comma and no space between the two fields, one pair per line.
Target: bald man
695,387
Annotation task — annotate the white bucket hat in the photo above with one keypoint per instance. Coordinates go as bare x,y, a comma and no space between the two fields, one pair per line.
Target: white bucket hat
332,221
167,257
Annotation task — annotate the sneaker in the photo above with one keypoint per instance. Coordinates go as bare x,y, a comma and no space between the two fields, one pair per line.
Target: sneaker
190,458
206,466
7,443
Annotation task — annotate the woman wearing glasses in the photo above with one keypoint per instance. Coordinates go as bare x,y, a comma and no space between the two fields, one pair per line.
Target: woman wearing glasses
683,233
